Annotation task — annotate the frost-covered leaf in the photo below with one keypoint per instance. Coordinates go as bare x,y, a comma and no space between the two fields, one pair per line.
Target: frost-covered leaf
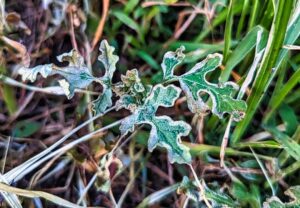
164,131
76,74
194,82
31,73
103,101
104,173
170,61
109,61
217,199
293,192
72,57
131,91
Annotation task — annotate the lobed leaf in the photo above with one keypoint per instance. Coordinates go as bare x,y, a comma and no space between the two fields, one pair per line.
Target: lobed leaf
103,101
76,74
164,131
170,61
109,61
194,82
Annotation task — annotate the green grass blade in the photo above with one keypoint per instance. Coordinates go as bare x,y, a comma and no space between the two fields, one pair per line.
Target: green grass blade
241,51
219,20
254,13
228,31
283,92
291,146
242,18
266,70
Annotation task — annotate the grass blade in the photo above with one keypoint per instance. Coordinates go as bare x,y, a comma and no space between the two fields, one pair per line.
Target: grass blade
266,70
33,194
228,29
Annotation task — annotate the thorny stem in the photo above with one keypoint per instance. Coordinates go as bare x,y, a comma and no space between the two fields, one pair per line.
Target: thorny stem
202,190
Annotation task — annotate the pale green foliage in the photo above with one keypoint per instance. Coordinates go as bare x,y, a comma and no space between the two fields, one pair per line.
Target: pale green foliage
218,199
109,61
76,74
164,131
131,91
170,61
143,100
293,192
194,82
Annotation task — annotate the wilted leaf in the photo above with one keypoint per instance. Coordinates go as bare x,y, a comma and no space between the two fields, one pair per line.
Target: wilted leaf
104,172
293,192
165,132
218,199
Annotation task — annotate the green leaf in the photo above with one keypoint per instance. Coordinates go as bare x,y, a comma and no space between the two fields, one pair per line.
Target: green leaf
127,20
164,132
26,128
109,61
76,74
170,61
243,49
193,82
103,101
217,199
291,146
293,192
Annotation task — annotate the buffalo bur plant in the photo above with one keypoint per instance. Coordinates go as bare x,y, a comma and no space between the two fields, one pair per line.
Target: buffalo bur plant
228,68
144,100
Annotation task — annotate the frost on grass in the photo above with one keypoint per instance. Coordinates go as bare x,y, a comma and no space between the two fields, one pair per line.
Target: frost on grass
218,199
194,82
164,131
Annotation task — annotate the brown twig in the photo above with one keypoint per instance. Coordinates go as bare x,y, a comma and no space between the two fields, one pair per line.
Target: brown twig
99,31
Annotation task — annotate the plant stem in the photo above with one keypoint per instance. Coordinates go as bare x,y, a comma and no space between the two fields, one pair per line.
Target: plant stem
202,189
54,90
